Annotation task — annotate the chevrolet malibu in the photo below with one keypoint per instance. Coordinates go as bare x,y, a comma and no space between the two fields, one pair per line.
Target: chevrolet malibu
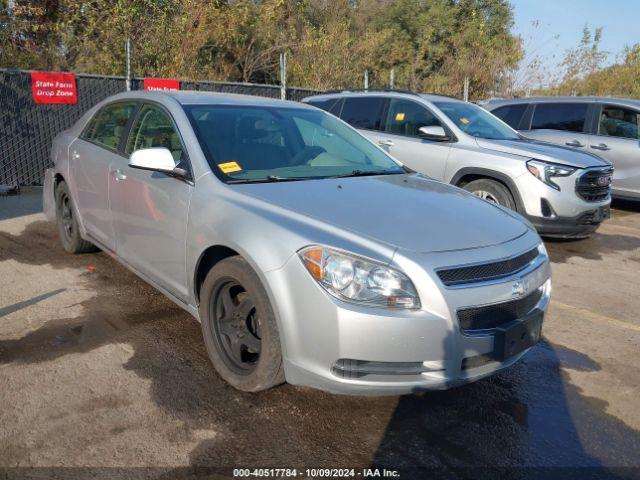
306,252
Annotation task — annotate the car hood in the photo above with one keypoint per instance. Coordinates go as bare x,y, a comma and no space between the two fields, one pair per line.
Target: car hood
409,212
543,151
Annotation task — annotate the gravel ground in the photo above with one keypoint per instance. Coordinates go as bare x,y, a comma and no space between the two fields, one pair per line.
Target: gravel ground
97,369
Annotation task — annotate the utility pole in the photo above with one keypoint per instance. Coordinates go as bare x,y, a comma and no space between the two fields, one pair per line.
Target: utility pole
127,48
392,77
366,79
283,75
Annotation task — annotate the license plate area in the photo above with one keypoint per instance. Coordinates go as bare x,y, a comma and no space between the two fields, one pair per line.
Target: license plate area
518,335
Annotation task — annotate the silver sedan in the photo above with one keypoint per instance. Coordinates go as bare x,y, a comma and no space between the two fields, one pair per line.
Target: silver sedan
308,254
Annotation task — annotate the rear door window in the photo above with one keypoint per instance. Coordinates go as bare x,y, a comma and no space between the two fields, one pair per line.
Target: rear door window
511,114
332,105
109,125
569,117
363,112
406,117
618,122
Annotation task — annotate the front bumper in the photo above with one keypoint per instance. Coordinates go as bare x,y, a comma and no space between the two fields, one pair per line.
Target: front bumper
569,227
560,213
318,332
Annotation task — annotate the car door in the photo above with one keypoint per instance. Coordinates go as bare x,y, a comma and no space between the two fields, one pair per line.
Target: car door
90,158
366,114
564,123
617,139
404,118
150,209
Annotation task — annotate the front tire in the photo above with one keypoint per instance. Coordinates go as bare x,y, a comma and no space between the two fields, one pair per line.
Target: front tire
239,327
68,228
491,191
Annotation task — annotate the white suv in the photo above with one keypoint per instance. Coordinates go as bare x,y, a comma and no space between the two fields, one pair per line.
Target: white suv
563,192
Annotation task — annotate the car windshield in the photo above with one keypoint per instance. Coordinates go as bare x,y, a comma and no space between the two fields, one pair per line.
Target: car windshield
258,143
476,121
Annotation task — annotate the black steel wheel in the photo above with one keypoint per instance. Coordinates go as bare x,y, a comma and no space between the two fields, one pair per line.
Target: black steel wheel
239,327
68,228
236,327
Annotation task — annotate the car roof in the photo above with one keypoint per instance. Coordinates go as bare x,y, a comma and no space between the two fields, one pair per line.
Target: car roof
208,98
431,97
496,102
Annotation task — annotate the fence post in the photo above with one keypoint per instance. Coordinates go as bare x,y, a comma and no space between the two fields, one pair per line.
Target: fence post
127,47
366,79
283,75
392,77
465,94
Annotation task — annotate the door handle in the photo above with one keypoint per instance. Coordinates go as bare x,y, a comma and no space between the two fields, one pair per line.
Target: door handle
601,146
75,155
385,143
118,175
574,143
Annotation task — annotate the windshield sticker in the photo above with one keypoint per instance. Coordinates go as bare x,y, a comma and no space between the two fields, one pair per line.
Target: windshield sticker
399,117
229,167
465,120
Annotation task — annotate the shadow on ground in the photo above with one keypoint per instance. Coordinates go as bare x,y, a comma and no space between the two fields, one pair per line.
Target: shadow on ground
592,248
528,415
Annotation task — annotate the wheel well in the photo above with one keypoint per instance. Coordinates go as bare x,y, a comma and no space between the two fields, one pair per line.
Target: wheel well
209,258
466,179
470,177
56,181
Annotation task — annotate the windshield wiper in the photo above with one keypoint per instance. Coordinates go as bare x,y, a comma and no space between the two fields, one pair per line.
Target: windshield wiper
364,173
267,179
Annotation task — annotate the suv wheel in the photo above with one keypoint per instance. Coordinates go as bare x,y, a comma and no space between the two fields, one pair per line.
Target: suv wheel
491,191
68,228
239,327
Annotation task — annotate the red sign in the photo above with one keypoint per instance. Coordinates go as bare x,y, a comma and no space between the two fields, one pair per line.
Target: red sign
161,84
54,87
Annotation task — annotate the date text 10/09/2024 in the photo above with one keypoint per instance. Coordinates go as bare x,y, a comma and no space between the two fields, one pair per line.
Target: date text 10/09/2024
315,473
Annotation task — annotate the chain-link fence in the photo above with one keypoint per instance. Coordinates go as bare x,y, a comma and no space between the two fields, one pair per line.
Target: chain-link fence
27,128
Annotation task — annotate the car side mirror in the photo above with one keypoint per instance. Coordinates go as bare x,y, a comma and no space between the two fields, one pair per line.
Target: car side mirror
157,159
435,133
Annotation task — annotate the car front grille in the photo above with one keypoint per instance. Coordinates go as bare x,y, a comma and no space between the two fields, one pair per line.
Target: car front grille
595,185
487,271
488,317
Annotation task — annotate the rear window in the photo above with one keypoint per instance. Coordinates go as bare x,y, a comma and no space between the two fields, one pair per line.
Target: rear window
560,116
363,112
107,127
511,114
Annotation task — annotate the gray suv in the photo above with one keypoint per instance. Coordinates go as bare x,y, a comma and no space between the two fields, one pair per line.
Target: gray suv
606,126
307,253
562,191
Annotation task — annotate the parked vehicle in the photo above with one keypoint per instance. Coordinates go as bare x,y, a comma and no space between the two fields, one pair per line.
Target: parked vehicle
606,126
563,192
307,253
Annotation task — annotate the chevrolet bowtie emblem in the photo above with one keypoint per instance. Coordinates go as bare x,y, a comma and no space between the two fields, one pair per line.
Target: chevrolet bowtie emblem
519,288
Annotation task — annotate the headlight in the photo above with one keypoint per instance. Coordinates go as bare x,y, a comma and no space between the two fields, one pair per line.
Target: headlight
545,171
542,249
354,279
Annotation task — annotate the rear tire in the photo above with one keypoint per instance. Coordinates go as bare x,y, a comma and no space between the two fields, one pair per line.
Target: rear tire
239,327
68,228
491,191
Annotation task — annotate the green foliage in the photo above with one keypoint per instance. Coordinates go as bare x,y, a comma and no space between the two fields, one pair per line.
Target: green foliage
431,44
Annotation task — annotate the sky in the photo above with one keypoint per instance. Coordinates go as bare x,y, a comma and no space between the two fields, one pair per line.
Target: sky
620,20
